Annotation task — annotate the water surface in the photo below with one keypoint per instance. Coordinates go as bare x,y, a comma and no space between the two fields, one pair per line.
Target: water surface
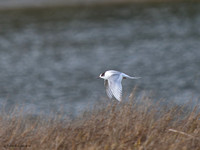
50,58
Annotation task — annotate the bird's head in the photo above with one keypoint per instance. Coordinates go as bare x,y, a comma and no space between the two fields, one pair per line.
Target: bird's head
102,75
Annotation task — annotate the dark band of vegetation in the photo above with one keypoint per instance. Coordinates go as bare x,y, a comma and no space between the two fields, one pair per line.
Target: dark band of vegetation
7,5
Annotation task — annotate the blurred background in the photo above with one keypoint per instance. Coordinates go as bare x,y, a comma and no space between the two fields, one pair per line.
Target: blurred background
50,57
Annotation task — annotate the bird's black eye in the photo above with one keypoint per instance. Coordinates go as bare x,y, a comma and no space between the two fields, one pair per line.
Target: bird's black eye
103,74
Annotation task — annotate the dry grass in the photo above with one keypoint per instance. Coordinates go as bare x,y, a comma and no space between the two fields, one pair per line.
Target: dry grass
134,125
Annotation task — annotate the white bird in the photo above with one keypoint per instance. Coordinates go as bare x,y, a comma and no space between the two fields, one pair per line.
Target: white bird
112,82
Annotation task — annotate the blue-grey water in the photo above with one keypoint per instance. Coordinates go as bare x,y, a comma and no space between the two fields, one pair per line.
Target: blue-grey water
50,57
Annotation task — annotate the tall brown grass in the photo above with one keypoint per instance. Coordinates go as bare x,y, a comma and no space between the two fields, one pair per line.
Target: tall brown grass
139,124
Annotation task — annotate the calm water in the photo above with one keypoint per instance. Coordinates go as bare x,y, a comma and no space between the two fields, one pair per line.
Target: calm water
50,58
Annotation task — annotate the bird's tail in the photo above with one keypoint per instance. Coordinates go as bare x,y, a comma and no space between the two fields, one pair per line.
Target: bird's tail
127,76
134,77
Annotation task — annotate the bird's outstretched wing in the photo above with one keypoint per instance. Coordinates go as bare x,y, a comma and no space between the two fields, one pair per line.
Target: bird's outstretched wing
108,91
115,86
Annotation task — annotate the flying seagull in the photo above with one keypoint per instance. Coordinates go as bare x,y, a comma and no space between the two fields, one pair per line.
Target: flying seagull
112,82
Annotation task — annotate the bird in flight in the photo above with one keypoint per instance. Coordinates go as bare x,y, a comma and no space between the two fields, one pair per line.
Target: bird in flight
112,82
